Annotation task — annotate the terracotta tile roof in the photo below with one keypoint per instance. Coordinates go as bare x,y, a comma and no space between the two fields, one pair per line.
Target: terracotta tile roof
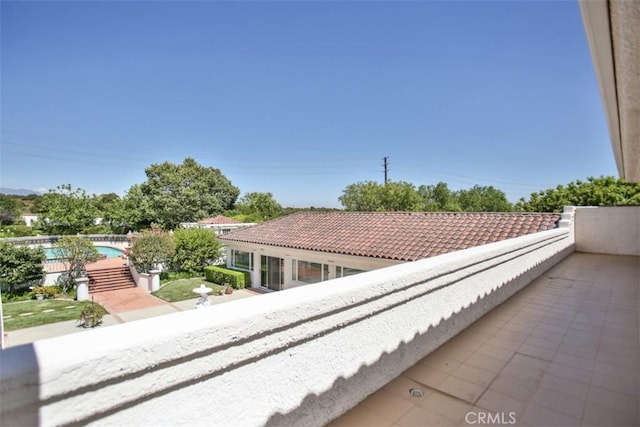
404,236
220,219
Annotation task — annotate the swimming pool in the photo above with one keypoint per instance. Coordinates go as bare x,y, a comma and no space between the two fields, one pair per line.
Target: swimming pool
52,253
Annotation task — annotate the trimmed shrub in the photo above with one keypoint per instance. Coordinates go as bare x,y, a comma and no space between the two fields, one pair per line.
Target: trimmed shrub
221,275
168,276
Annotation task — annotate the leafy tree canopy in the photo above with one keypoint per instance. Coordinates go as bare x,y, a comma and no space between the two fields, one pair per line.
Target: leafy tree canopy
67,210
195,248
402,196
175,193
9,210
20,265
76,252
151,250
602,191
258,207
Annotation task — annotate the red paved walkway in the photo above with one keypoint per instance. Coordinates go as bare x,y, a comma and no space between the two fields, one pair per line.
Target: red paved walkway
120,301
123,300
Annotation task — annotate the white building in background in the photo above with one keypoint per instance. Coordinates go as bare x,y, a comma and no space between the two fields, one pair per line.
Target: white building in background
220,224
29,219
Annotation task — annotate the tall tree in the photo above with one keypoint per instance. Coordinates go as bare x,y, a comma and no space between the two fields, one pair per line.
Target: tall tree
362,196
152,249
9,209
259,207
76,252
175,193
483,199
439,198
20,265
195,248
602,191
67,210
400,196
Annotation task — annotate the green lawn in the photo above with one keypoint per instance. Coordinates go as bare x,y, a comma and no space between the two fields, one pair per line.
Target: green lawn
179,290
15,314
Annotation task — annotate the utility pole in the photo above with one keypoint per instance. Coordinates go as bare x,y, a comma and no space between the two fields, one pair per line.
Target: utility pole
386,169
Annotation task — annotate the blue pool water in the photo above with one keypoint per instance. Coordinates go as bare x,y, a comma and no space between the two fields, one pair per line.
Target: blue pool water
52,253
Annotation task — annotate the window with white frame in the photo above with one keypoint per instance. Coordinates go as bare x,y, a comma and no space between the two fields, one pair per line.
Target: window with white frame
241,259
309,272
346,271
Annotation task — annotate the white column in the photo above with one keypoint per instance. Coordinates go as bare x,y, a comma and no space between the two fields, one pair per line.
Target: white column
82,288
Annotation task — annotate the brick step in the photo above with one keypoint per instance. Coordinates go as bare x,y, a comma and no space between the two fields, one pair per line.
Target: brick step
112,287
110,279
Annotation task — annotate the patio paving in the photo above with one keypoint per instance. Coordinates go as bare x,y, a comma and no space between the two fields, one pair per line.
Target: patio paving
563,351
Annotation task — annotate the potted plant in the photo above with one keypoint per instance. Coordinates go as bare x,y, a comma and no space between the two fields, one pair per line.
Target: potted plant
92,314
228,289
39,292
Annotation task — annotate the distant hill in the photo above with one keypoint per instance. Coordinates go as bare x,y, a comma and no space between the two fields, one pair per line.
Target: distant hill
18,192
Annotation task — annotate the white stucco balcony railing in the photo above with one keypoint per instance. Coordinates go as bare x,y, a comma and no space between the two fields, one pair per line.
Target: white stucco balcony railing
300,357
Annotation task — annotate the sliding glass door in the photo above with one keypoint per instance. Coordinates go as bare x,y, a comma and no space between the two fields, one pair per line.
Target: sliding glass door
271,272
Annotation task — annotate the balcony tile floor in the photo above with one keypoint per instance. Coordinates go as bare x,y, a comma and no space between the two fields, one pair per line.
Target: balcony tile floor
564,351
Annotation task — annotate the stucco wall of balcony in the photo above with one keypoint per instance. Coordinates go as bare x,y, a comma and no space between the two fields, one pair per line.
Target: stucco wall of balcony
298,357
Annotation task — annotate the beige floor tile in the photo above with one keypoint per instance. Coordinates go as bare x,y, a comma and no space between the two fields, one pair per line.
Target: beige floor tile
525,329
486,363
567,386
623,334
511,335
616,359
387,405
421,417
360,416
524,366
462,389
563,351
504,343
596,414
546,334
516,387
442,360
401,386
624,351
538,416
548,327
535,351
544,342
570,372
559,402
612,399
483,330
584,351
426,374
474,374
498,402
616,370
615,342
496,352
447,406
628,385
574,361
576,326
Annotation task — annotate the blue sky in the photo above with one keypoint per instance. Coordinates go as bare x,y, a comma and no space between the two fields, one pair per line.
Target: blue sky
300,98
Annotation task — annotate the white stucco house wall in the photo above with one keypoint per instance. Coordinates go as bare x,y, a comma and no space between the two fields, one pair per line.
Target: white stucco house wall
219,224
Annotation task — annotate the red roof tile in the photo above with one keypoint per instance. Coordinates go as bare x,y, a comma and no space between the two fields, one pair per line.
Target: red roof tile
403,236
220,219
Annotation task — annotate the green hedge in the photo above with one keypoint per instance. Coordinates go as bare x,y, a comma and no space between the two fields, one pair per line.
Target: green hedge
221,274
